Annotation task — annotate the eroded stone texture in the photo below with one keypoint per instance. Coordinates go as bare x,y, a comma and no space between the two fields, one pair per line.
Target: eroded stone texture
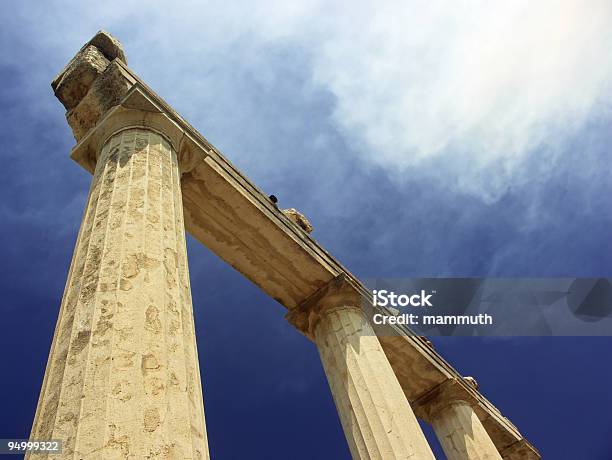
122,379
106,91
229,215
375,415
449,409
79,75
298,219
92,82
461,433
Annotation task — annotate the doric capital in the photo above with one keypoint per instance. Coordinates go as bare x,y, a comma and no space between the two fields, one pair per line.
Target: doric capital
341,292
103,97
450,392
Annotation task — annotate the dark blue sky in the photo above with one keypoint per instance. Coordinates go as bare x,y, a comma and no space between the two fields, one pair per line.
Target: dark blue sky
264,100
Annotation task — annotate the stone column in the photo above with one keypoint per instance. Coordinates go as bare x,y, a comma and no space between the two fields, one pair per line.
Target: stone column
122,380
456,424
461,433
377,420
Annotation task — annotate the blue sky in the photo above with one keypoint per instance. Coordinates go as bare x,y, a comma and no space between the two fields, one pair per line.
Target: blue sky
429,139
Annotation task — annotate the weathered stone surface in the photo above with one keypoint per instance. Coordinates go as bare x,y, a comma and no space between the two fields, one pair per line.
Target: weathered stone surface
519,450
448,408
122,379
109,45
74,82
375,415
472,381
90,84
461,433
107,91
377,420
338,292
227,213
298,219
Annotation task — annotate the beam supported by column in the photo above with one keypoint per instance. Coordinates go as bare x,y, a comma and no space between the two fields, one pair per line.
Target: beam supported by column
377,420
458,428
123,380
237,221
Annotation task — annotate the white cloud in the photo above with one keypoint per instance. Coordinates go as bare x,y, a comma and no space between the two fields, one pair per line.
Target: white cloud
467,90
492,82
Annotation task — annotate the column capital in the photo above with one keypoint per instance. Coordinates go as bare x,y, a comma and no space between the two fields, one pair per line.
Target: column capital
103,96
448,393
373,409
340,292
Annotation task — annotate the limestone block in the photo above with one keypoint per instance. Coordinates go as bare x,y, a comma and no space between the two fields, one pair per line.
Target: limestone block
108,45
107,91
298,219
82,73
76,79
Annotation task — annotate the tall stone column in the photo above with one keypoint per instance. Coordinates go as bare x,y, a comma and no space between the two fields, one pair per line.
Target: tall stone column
377,420
122,379
456,424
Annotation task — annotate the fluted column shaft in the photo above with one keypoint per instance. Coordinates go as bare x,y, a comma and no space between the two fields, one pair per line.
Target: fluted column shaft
461,433
122,380
375,415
